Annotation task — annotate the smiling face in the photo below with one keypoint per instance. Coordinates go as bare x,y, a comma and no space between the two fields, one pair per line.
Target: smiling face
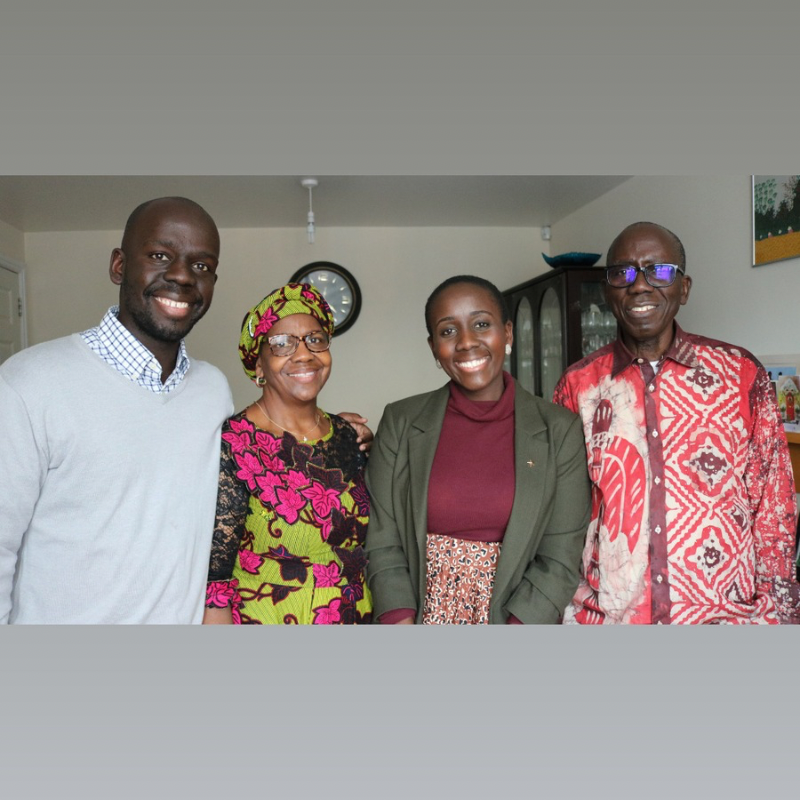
166,270
296,379
645,313
468,337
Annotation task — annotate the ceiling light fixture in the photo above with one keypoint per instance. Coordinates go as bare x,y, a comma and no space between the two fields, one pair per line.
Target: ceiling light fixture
310,184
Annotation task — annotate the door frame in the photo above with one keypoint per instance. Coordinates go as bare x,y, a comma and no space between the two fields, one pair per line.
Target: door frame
19,270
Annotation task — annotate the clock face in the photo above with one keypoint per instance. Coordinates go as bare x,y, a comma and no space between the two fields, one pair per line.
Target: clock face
339,288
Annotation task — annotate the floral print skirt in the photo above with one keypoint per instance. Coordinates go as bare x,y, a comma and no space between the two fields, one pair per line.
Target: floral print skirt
460,577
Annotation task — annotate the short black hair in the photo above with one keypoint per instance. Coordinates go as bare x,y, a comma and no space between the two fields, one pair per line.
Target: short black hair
474,281
673,236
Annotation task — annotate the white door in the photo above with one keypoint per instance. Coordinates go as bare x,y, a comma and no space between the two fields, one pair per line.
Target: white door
10,314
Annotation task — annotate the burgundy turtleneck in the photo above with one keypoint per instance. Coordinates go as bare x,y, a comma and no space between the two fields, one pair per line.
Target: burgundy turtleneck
471,486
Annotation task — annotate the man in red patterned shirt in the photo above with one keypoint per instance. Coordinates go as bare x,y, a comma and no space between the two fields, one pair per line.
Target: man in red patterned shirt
693,500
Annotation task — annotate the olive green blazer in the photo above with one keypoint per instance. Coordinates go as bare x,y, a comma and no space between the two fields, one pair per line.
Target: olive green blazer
538,569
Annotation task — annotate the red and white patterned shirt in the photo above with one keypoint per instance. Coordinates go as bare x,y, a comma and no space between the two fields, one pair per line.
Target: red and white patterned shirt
693,499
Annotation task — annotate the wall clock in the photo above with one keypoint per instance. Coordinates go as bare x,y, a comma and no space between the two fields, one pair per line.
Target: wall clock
339,288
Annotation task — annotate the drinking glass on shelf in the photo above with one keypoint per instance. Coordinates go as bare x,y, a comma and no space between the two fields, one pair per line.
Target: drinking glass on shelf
594,319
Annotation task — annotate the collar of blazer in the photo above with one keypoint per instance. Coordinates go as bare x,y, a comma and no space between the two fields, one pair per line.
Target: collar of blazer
527,416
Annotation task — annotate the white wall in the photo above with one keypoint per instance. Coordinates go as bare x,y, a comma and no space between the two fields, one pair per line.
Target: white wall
383,357
12,243
730,299
67,281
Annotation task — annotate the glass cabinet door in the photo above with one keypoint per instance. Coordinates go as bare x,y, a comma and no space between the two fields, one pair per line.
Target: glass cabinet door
551,339
523,331
559,317
598,326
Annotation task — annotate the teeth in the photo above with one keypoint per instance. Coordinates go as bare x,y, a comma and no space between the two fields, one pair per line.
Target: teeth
172,303
641,309
472,364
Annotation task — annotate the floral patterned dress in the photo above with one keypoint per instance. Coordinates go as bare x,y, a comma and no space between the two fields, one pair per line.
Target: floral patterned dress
291,522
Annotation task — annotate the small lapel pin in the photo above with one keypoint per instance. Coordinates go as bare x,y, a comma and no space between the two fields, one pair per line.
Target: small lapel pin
530,463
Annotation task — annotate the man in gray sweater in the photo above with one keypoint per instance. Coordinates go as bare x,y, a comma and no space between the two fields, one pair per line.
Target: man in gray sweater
110,442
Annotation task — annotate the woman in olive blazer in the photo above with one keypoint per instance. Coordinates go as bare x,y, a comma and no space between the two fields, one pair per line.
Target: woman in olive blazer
537,571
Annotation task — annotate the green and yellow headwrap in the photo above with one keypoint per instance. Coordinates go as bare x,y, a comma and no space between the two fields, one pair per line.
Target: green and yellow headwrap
294,298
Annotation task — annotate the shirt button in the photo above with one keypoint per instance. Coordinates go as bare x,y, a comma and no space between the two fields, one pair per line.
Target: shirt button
656,480
658,529
640,361
655,433
652,387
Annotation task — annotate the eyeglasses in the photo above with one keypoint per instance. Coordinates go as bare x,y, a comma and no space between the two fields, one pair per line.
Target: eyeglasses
657,275
284,344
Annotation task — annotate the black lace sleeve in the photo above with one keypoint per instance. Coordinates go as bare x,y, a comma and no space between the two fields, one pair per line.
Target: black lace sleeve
341,451
232,504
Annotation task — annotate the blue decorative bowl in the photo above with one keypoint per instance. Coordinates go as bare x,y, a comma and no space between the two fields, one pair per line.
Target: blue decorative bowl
572,259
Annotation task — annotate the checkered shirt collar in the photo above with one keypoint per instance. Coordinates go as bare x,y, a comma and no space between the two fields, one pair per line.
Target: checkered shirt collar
119,347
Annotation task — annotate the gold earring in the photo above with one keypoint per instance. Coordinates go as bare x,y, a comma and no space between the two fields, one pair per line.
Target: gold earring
261,380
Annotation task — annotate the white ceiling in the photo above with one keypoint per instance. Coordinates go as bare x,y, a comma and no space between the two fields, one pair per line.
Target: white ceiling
68,202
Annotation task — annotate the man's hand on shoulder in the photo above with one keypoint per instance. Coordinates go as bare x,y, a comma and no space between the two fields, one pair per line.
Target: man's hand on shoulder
359,425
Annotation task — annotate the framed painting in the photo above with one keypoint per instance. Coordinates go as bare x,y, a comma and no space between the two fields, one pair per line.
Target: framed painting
776,218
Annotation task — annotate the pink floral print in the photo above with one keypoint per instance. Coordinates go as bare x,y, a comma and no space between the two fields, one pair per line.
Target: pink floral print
249,467
322,499
326,575
328,615
290,504
250,561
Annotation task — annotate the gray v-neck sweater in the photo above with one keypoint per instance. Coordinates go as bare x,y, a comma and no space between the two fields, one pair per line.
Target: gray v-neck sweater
107,490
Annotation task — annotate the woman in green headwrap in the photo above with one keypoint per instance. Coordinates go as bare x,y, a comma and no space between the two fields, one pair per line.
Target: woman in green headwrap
292,507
